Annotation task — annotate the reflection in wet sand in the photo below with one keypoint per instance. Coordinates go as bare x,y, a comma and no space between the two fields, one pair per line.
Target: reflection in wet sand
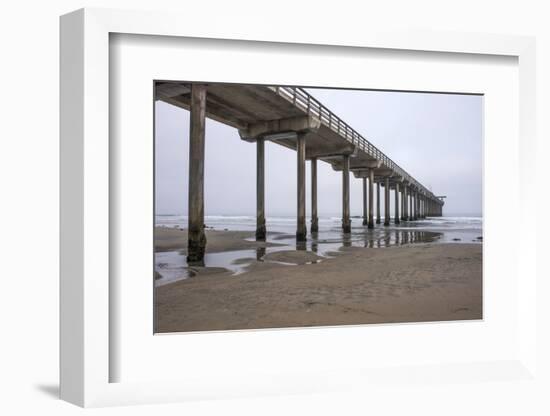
172,265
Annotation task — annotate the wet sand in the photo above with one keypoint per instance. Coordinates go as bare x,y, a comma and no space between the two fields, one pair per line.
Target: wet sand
409,283
168,239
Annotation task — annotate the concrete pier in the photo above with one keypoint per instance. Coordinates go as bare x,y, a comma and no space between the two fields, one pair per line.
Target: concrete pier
260,189
346,222
378,213
314,216
396,214
285,115
371,199
387,201
196,243
365,210
301,231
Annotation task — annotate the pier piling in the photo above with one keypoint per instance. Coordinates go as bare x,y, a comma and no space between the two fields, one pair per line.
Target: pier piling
196,243
301,230
371,195
346,222
314,216
396,214
260,189
387,201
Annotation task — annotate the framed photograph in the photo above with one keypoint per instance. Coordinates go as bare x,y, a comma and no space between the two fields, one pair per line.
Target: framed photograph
300,270
275,214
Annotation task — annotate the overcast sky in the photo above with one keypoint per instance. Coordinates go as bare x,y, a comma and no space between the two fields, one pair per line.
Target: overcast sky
437,138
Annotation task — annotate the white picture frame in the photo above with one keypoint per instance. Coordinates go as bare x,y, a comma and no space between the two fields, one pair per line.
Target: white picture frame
86,356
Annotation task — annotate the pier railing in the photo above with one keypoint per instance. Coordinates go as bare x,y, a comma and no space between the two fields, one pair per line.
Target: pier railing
311,106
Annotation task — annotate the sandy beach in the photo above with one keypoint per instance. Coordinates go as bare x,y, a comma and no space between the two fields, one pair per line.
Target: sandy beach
293,288
167,239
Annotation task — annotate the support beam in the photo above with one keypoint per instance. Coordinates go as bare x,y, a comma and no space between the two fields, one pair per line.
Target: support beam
424,207
365,210
371,198
331,153
301,230
396,214
281,128
378,203
314,217
260,190
402,204
411,214
409,204
387,201
346,222
196,242
406,203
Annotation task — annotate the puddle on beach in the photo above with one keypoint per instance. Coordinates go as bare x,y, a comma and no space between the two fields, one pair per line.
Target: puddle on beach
172,265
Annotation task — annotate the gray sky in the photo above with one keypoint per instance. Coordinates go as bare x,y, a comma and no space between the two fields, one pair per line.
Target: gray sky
437,138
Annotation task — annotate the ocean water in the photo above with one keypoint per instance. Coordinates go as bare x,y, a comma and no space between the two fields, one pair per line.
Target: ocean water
172,265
